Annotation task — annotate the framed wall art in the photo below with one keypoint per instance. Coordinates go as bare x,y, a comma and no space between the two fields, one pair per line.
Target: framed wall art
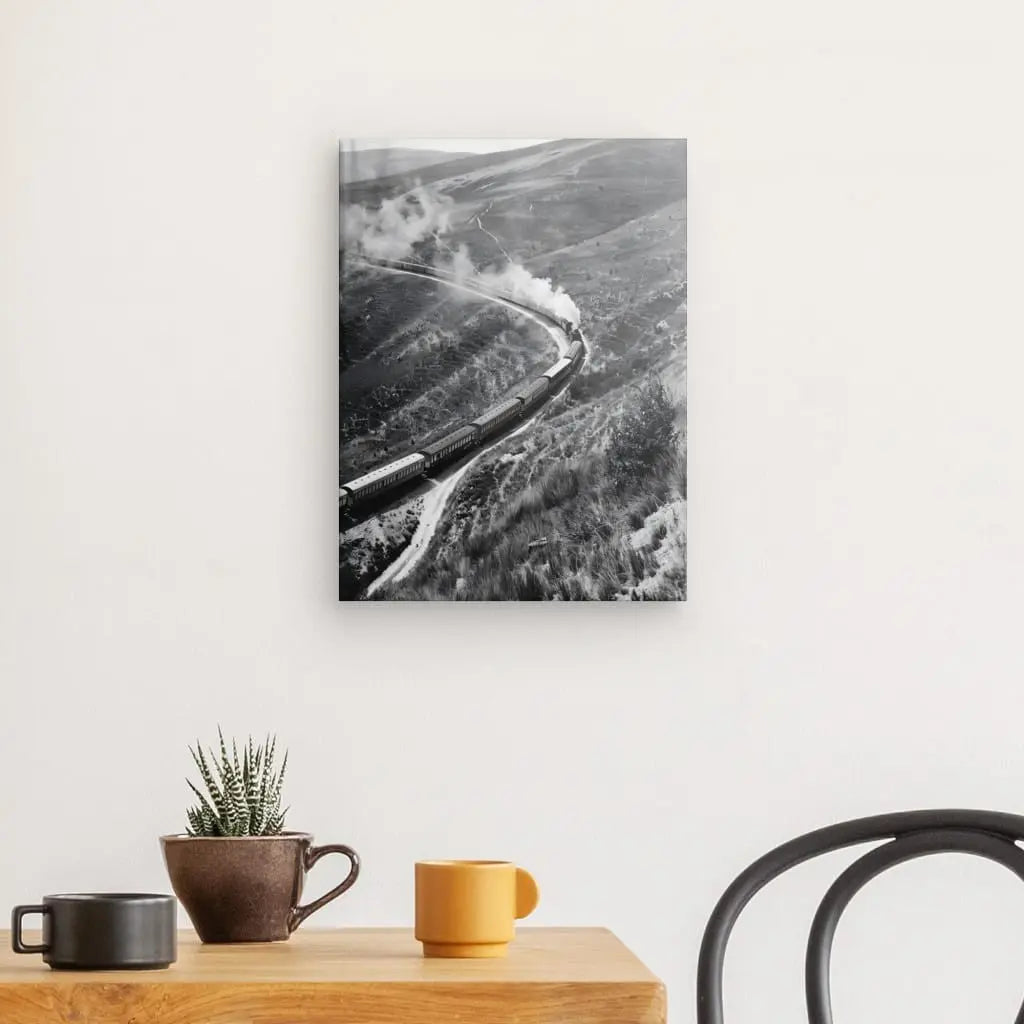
512,370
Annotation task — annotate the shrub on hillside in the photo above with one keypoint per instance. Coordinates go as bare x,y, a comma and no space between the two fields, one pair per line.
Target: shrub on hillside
645,435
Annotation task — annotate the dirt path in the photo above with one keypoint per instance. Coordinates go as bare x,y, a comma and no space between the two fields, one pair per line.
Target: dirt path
480,225
435,499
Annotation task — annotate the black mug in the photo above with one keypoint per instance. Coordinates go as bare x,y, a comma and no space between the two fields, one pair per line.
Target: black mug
102,931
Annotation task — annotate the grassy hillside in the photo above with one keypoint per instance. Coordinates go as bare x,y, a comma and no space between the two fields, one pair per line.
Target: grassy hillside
544,198
544,517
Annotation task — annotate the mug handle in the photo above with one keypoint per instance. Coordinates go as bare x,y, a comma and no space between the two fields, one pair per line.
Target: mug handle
527,893
311,856
17,916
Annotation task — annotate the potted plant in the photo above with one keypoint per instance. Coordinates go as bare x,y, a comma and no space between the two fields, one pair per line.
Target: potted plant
237,872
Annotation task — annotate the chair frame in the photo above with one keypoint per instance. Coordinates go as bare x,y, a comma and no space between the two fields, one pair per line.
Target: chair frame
911,834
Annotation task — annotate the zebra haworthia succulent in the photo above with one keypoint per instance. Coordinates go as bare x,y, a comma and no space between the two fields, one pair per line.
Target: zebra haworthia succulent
243,795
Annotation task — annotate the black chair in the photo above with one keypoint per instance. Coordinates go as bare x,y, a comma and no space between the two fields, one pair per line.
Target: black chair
989,834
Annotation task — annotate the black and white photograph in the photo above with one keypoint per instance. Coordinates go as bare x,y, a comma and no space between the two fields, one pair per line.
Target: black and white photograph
512,370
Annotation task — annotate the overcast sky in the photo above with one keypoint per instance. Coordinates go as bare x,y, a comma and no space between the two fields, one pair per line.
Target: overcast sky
448,145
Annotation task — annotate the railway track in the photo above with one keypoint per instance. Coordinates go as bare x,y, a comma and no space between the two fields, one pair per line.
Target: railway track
555,325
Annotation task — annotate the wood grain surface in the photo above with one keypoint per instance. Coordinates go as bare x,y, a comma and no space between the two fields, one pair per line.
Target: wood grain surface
351,976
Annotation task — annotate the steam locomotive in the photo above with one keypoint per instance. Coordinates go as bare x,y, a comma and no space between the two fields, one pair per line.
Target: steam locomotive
469,435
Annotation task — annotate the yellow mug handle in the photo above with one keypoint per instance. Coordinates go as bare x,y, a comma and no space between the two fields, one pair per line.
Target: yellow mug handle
527,894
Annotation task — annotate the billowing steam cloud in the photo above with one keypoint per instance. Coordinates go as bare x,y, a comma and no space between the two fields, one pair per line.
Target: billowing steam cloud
391,232
518,283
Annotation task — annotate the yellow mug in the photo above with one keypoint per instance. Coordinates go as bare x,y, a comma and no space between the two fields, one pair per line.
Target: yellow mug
468,908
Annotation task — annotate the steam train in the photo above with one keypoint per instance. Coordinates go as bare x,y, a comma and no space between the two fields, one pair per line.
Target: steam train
469,435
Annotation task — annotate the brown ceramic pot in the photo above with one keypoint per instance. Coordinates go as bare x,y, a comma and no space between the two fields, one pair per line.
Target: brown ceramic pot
247,889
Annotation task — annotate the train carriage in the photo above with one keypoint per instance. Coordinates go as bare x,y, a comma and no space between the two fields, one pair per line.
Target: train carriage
491,421
530,394
557,373
386,476
575,352
449,446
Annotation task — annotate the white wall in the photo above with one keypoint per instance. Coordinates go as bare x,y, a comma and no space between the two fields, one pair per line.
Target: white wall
167,456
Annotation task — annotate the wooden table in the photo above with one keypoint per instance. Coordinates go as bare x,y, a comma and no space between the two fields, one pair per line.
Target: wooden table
352,976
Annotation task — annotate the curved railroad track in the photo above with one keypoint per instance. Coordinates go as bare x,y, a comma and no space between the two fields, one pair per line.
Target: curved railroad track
555,325
443,464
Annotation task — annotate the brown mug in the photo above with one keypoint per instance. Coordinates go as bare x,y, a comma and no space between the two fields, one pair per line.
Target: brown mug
247,888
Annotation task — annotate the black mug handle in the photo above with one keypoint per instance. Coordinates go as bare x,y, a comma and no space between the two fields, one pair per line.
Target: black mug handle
17,915
311,856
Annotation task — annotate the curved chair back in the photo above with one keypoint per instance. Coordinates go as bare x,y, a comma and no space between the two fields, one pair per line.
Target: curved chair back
912,834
